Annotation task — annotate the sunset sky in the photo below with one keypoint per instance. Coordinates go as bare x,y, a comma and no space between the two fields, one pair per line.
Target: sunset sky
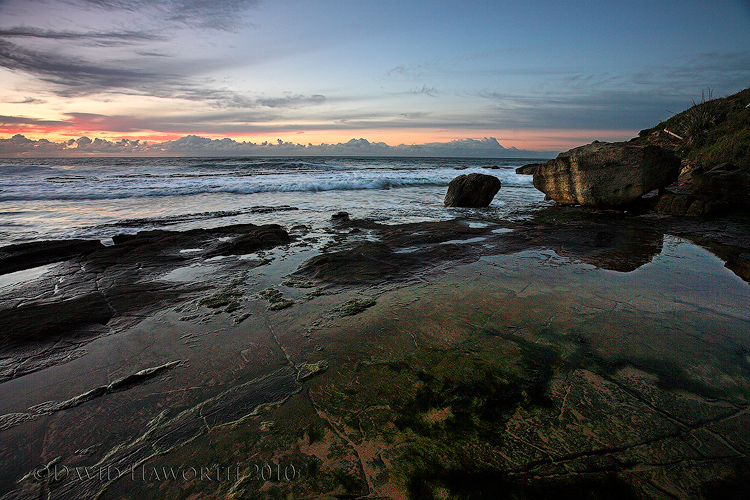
543,76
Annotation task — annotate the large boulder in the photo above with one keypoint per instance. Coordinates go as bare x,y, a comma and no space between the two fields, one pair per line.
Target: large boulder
472,190
604,174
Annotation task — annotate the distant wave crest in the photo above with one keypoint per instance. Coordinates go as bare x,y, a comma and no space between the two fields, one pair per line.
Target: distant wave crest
144,184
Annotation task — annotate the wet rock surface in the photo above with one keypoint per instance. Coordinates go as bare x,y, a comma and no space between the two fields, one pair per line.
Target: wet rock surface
398,252
97,289
606,239
580,353
521,384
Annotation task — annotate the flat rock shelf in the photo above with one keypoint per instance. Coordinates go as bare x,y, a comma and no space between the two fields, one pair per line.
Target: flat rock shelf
579,353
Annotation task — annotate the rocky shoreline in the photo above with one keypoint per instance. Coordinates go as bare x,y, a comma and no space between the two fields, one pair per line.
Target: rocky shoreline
597,348
703,172
91,293
91,285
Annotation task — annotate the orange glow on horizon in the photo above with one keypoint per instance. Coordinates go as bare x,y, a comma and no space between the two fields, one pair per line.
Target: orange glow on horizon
534,140
63,134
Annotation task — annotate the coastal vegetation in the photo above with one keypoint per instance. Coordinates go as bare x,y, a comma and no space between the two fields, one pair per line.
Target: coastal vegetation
711,132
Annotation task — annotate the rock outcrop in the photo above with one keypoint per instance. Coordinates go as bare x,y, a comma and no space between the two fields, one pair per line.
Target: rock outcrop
266,236
528,169
472,190
725,183
340,217
36,253
724,188
604,174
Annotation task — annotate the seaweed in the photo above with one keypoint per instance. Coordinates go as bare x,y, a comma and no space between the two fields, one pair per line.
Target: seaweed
356,306
221,298
275,298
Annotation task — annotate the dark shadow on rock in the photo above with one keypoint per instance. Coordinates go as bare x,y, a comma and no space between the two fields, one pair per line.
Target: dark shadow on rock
52,318
607,239
369,262
624,242
244,238
403,250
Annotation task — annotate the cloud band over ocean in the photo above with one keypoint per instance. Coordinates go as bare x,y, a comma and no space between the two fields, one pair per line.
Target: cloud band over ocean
193,145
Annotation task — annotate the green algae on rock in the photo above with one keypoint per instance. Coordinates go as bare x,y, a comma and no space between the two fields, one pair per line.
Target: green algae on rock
221,298
276,300
356,306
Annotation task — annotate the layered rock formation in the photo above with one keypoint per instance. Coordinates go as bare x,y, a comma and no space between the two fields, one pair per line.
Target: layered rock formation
604,174
708,191
725,182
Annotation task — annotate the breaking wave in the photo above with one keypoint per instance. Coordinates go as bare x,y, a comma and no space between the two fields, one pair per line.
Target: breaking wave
129,184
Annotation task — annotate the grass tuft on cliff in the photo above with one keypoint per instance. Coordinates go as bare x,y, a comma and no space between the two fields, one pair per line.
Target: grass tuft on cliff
710,132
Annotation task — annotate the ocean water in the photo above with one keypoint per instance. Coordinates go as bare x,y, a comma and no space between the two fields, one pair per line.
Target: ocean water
96,198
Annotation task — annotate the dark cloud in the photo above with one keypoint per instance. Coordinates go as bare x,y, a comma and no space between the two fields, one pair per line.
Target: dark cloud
223,15
228,99
401,69
218,15
410,71
729,71
194,145
606,110
92,121
153,54
615,102
292,101
100,38
74,76
37,51
219,123
430,91
22,120
28,100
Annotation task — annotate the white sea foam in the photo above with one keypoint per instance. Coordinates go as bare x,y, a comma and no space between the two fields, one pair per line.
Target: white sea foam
122,185
100,197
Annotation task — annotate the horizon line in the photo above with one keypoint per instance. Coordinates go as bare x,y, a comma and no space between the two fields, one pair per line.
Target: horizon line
192,145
